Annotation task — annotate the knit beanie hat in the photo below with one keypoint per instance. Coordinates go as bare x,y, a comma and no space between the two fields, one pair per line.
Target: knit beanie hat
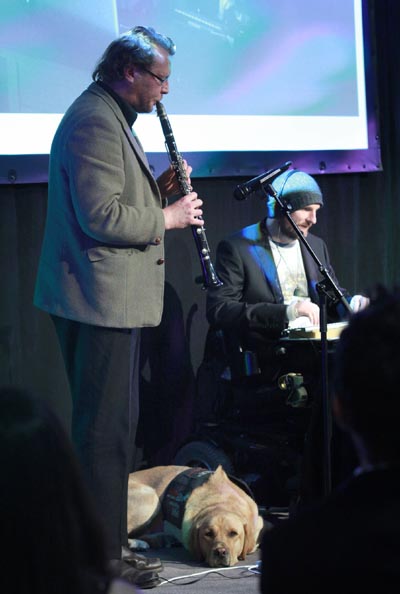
296,188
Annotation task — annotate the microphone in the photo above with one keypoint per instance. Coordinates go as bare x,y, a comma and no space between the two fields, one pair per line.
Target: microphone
242,191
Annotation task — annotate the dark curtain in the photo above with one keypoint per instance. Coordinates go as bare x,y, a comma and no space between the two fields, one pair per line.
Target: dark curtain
360,222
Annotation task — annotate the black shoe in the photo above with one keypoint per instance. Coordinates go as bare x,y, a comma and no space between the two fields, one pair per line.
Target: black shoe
140,562
142,578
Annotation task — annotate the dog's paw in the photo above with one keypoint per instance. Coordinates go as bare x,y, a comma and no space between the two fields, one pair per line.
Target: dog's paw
135,544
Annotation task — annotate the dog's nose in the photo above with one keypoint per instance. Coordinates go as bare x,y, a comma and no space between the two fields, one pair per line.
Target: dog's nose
220,556
220,551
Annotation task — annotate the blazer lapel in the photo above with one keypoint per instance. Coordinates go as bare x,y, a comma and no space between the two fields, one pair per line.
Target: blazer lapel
262,254
137,146
141,155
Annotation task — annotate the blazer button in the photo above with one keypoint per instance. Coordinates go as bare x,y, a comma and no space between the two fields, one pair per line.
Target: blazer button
157,240
160,261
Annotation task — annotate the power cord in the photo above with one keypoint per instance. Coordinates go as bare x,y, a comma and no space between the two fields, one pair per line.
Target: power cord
252,569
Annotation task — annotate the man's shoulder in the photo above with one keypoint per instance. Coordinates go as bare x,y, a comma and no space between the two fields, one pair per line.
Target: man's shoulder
341,511
311,237
93,100
312,516
317,243
93,104
246,234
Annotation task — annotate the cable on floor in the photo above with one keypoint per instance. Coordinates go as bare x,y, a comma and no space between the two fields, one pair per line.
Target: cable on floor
252,569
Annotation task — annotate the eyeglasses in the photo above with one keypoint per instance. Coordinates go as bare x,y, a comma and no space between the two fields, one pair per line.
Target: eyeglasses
160,80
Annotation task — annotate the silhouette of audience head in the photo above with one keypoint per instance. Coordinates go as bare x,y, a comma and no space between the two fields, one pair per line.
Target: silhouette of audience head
367,376
52,541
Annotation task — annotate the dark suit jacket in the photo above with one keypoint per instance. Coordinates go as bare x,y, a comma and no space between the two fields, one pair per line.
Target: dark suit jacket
250,301
349,544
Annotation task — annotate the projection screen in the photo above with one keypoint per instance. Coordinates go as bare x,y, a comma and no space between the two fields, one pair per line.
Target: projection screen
254,82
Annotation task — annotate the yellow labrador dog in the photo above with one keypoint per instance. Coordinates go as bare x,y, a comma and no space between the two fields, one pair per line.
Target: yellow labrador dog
212,517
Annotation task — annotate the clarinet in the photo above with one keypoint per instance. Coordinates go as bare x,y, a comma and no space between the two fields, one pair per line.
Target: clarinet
210,278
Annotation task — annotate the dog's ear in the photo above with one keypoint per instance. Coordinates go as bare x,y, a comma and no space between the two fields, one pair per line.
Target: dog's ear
249,543
194,542
219,471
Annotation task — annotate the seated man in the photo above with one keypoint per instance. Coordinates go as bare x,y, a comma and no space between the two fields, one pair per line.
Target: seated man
269,278
269,283
350,543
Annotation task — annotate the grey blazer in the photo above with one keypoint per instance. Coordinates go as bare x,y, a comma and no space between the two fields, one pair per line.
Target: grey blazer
102,259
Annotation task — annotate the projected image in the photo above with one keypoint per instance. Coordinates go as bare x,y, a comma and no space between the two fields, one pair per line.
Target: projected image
233,56
254,57
48,51
249,76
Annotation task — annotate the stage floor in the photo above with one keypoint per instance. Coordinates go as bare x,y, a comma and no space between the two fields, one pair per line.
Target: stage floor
181,573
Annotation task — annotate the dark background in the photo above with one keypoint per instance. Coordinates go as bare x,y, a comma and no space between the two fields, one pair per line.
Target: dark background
360,223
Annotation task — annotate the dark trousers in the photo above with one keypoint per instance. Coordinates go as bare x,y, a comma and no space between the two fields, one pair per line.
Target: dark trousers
102,365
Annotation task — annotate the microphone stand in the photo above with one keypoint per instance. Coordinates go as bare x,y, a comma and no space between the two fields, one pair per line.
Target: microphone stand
327,290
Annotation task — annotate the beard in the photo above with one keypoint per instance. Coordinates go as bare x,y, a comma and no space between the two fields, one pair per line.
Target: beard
286,230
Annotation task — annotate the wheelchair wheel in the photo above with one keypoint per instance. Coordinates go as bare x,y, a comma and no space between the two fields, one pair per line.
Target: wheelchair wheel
204,455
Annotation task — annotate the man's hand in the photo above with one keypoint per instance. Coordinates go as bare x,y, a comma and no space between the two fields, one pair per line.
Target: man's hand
168,182
184,212
358,302
308,309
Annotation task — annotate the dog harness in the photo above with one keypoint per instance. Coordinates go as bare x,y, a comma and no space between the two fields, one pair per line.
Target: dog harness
178,492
